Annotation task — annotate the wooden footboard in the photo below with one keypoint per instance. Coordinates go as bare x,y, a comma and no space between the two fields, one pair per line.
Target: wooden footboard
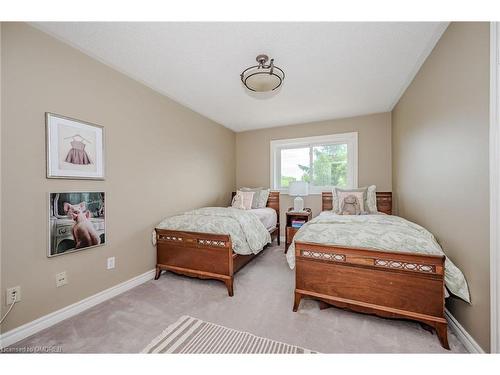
202,255
387,284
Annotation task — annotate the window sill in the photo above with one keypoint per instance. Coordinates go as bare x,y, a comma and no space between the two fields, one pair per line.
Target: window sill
285,191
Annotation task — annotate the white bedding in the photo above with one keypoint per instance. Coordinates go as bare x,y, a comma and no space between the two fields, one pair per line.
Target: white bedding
267,216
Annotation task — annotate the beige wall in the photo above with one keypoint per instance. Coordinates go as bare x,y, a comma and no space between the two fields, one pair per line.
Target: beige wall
440,160
174,158
374,153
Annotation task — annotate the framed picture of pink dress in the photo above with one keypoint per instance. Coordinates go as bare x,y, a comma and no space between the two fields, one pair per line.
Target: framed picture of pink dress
75,148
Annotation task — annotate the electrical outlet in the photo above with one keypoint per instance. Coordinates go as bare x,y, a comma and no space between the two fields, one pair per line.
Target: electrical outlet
61,279
111,263
13,295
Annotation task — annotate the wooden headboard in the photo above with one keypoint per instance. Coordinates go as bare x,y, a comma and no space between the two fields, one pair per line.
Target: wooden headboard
272,202
384,202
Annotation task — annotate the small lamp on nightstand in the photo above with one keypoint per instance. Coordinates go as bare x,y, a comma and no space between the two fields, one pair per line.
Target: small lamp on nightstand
298,189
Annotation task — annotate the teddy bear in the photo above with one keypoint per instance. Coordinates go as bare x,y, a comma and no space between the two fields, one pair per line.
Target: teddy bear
350,206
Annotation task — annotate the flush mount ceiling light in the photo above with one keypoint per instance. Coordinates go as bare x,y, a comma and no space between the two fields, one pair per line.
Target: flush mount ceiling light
262,77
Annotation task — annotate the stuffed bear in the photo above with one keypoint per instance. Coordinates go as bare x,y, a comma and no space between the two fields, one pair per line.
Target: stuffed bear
350,206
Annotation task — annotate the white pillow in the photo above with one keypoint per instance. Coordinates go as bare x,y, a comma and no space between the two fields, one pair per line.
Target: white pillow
335,201
237,201
260,197
243,200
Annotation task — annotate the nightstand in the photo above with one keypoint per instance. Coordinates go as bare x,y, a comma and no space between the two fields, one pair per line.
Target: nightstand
306,215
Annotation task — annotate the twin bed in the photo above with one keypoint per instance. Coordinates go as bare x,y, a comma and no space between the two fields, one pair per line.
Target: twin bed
186,244
378,264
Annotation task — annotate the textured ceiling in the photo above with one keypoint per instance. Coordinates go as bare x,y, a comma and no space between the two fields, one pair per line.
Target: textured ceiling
332,69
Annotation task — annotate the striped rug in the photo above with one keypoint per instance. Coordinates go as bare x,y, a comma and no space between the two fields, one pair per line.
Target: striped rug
191,335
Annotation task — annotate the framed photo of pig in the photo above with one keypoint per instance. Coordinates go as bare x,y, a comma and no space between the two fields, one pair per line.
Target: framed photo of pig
75,149
76,221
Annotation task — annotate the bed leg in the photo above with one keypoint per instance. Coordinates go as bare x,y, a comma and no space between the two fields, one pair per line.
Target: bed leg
442,333
158,273
229,286
324,305
296,302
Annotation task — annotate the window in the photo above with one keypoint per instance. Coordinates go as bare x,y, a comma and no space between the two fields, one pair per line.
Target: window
324,162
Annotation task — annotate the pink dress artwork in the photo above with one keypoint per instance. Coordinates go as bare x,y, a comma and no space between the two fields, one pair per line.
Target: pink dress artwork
77,154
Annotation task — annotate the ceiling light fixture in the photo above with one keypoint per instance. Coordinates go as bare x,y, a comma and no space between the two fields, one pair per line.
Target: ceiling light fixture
262,77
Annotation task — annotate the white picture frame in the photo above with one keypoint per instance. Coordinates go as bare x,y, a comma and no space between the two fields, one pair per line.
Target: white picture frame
75,148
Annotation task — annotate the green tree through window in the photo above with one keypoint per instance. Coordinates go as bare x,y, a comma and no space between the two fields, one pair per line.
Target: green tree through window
329,167
285,180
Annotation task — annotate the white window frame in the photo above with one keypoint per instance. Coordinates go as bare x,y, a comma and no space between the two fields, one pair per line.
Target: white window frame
351,139
495,185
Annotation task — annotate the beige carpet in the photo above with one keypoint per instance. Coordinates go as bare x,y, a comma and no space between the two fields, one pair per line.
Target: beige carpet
262,305
194,336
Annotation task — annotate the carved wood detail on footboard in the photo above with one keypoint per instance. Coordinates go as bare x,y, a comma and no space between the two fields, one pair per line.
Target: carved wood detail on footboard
376,260
388,284
202,255
192,238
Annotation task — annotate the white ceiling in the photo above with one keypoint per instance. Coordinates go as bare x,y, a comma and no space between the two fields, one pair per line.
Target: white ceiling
333,69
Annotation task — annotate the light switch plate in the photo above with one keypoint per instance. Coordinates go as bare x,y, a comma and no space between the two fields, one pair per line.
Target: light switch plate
111,263
61,279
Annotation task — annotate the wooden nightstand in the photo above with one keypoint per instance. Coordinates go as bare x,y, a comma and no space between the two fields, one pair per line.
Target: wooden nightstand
289,230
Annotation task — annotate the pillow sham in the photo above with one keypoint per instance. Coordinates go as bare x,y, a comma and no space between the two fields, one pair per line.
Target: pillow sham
369,198
247,199
260,197
255,200
243,200
237,201
264,196
335,195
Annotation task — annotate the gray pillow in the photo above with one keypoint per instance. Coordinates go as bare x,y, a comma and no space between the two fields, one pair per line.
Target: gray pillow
264,196
256,197
372,199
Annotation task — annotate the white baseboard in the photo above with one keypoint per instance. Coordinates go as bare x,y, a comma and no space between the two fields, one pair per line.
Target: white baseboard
28,329
463,336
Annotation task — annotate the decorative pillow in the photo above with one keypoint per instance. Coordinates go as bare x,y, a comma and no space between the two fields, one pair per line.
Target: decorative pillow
247,197
335,201
237,201
336,207
350,202
260,197
256,197
264,196
371,199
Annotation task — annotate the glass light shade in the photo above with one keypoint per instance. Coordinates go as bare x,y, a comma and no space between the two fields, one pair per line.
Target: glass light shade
298,188
261,81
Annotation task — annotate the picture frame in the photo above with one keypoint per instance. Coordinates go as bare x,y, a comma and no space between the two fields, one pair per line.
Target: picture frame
75,148
76,221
